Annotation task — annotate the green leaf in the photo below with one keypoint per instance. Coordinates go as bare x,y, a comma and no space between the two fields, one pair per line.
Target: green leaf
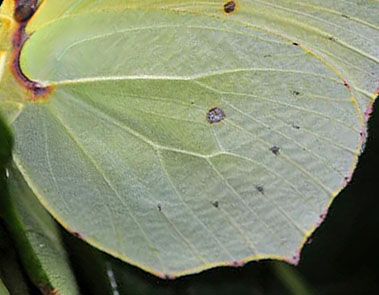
291,279
89,265
179,137
3,289
37,238
5,147
11,275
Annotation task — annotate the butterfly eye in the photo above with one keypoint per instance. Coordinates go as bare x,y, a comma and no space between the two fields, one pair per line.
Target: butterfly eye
24,11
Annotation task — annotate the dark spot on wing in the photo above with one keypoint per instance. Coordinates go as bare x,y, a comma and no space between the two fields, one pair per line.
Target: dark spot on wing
347,85
215,204
159,207
295,92
295,43
322,216
237,263
260,189
295,259
39,90
275,150
229,6
215,115
77,235
295,126
168,277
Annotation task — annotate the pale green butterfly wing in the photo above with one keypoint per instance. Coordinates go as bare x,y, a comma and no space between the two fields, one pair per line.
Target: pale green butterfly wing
122,152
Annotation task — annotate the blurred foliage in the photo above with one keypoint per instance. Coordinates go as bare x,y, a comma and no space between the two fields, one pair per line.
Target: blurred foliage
11,275
5,145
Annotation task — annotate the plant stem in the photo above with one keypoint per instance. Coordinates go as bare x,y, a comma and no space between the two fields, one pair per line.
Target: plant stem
291,279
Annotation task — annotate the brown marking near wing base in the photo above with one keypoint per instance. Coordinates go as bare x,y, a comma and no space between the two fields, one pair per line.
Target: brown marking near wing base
36,89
